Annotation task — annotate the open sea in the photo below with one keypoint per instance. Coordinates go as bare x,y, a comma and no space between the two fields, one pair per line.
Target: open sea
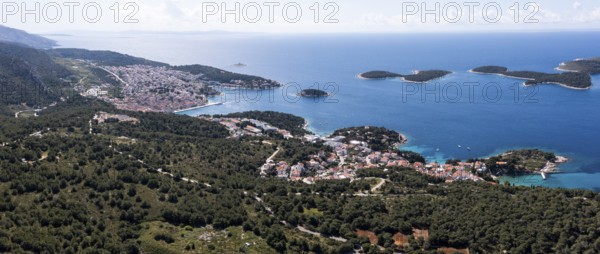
488,113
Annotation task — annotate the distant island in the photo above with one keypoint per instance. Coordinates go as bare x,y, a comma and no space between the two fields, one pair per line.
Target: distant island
575,80
417,76
313,93
590,66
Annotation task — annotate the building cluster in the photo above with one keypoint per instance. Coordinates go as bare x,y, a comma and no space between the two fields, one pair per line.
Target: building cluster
239,127
95,91
346,158
453,172
102,117
160,89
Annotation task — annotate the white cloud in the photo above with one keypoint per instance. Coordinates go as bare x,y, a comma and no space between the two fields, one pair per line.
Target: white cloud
545,16
588,16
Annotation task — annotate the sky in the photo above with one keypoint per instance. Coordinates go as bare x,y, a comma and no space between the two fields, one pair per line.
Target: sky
301,16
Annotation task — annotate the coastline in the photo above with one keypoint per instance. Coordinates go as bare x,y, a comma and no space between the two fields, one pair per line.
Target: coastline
313,96
549,168
560,84
530,79
402,78
404,140
360,76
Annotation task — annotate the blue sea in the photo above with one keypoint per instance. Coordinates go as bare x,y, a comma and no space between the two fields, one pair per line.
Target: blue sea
487,113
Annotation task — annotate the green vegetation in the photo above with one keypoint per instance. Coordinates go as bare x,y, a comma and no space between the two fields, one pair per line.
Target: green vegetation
85,76
12,35
518,162
379,75
207,73
225,77
313,93
378,138
491,69
420,76
69,191
591,66
412,157
425,76
30,76
291,123
108,58
175,184
161,237
569,79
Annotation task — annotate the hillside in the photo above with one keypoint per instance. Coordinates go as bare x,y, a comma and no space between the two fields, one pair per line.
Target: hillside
378,138
292,123
227,78
12,35
166,183
30,76
175,184
103,57
206,73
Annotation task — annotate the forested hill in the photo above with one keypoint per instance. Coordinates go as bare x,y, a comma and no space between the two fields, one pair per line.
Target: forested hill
29,76
226,77
103,57
8,34
165,183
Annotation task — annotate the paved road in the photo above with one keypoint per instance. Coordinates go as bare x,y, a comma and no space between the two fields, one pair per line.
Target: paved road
379,185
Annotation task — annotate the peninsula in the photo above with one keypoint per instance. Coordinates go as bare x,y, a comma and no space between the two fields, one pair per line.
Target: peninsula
590,66
575,80
521,162
417,76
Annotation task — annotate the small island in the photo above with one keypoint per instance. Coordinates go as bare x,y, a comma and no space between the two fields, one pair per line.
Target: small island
590,66
313,93
574,80
417,76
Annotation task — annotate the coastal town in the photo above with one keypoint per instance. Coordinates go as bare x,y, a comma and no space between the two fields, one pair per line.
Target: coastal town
342,158
348,157
162,89
159,88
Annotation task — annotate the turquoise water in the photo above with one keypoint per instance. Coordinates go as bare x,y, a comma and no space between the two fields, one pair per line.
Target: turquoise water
551,117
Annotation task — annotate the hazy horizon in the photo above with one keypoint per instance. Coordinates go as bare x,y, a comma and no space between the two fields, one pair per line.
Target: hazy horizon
302,16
